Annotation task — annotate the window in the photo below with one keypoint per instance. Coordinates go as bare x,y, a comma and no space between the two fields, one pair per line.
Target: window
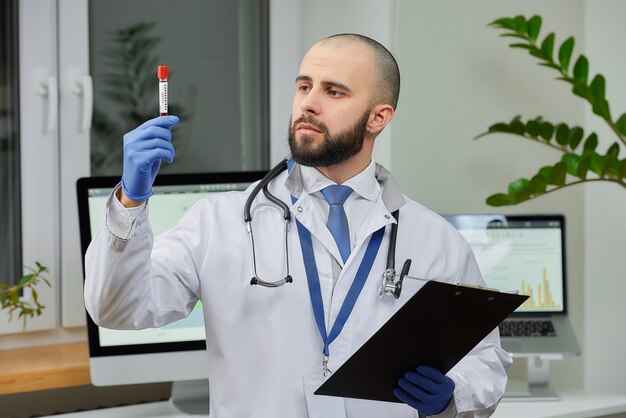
217,56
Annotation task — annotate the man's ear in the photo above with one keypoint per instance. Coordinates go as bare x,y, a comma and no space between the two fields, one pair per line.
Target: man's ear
380,116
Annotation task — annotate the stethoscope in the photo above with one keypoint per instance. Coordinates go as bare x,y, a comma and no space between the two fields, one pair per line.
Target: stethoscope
391,283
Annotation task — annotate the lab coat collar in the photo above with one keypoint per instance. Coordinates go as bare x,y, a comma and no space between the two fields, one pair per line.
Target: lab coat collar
392,197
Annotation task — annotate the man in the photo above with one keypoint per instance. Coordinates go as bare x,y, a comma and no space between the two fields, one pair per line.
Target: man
269,347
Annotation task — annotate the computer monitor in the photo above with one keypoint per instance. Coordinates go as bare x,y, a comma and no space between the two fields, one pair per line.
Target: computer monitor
173,353
526,253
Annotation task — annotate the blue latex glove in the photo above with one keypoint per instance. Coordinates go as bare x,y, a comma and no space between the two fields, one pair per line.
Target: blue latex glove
425,389
144,148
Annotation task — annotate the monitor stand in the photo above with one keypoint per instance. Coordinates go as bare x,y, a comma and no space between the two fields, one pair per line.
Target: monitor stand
191,396
537,385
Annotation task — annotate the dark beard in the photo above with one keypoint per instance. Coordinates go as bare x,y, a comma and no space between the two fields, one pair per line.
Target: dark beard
334,150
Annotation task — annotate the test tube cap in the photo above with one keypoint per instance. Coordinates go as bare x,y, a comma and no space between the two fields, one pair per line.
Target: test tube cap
162,71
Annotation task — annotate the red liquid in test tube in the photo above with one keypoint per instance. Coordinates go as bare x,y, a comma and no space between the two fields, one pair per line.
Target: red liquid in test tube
162,74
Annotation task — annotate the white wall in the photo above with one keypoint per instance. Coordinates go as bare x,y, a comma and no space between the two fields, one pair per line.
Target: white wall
605,206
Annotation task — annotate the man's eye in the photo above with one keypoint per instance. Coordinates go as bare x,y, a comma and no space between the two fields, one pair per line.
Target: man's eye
304,88
335,93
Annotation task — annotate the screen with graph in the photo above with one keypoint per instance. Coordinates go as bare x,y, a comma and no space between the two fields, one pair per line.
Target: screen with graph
525,256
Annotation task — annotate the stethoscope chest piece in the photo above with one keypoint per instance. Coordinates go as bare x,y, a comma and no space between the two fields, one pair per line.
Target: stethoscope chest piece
391,284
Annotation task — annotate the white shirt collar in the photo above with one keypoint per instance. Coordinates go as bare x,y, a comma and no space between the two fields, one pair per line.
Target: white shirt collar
364,183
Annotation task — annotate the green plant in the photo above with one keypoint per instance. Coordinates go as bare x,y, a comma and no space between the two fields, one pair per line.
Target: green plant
10,294
580,162
129,81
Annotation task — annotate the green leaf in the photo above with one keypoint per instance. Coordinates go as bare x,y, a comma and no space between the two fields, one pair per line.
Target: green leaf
522,46
601,108
547,46
581,90
499,127
562,134
546,130
610,165
520,24
575,136
26,279
571,162
545,171
597,162
613,150
517,126
581,70
504,22
598,86
583,167
533,27
518,186
538,184
532,128
591,143
538,53
551,65
565,53
620,124
499,199
557,174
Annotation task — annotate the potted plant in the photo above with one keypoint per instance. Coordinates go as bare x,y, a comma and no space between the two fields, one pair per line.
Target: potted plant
11,301
580,161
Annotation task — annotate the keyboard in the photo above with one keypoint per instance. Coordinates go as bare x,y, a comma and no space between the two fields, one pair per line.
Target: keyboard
527,328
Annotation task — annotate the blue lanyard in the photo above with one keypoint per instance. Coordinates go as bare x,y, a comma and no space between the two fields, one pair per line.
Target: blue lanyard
314,283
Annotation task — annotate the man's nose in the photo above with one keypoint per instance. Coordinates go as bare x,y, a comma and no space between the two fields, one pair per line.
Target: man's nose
310,104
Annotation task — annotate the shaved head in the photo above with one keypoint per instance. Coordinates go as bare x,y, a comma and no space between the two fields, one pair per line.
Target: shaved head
387,89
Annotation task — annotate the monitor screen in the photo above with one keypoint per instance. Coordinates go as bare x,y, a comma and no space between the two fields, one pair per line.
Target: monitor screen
519,253
175,351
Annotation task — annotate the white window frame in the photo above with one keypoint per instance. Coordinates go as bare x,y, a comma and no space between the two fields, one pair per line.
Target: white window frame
38,155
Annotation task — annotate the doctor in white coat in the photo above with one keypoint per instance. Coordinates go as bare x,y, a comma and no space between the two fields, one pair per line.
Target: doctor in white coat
270,347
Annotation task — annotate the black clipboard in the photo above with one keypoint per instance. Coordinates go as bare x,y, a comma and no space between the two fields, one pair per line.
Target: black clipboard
437,327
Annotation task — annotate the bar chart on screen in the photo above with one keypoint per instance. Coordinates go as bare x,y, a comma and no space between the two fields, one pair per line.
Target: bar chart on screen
542,298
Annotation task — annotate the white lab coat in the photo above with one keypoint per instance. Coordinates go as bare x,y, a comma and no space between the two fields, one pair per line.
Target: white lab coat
261,341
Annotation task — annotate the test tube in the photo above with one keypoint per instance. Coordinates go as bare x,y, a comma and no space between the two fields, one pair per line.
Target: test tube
162,75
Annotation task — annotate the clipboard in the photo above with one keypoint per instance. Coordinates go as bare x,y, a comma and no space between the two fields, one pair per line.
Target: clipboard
437,327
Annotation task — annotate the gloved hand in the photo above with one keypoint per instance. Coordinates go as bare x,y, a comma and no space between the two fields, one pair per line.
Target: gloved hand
425,389
144,148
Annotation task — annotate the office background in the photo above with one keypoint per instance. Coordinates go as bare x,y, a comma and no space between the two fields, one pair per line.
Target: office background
459,77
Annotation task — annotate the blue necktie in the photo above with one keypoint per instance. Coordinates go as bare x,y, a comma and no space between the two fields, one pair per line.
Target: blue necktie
337,222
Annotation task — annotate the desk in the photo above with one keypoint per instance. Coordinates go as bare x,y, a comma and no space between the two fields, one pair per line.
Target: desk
572,405
46,367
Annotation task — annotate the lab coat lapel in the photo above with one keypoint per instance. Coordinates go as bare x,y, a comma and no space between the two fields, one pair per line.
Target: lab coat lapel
305,211
378,217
